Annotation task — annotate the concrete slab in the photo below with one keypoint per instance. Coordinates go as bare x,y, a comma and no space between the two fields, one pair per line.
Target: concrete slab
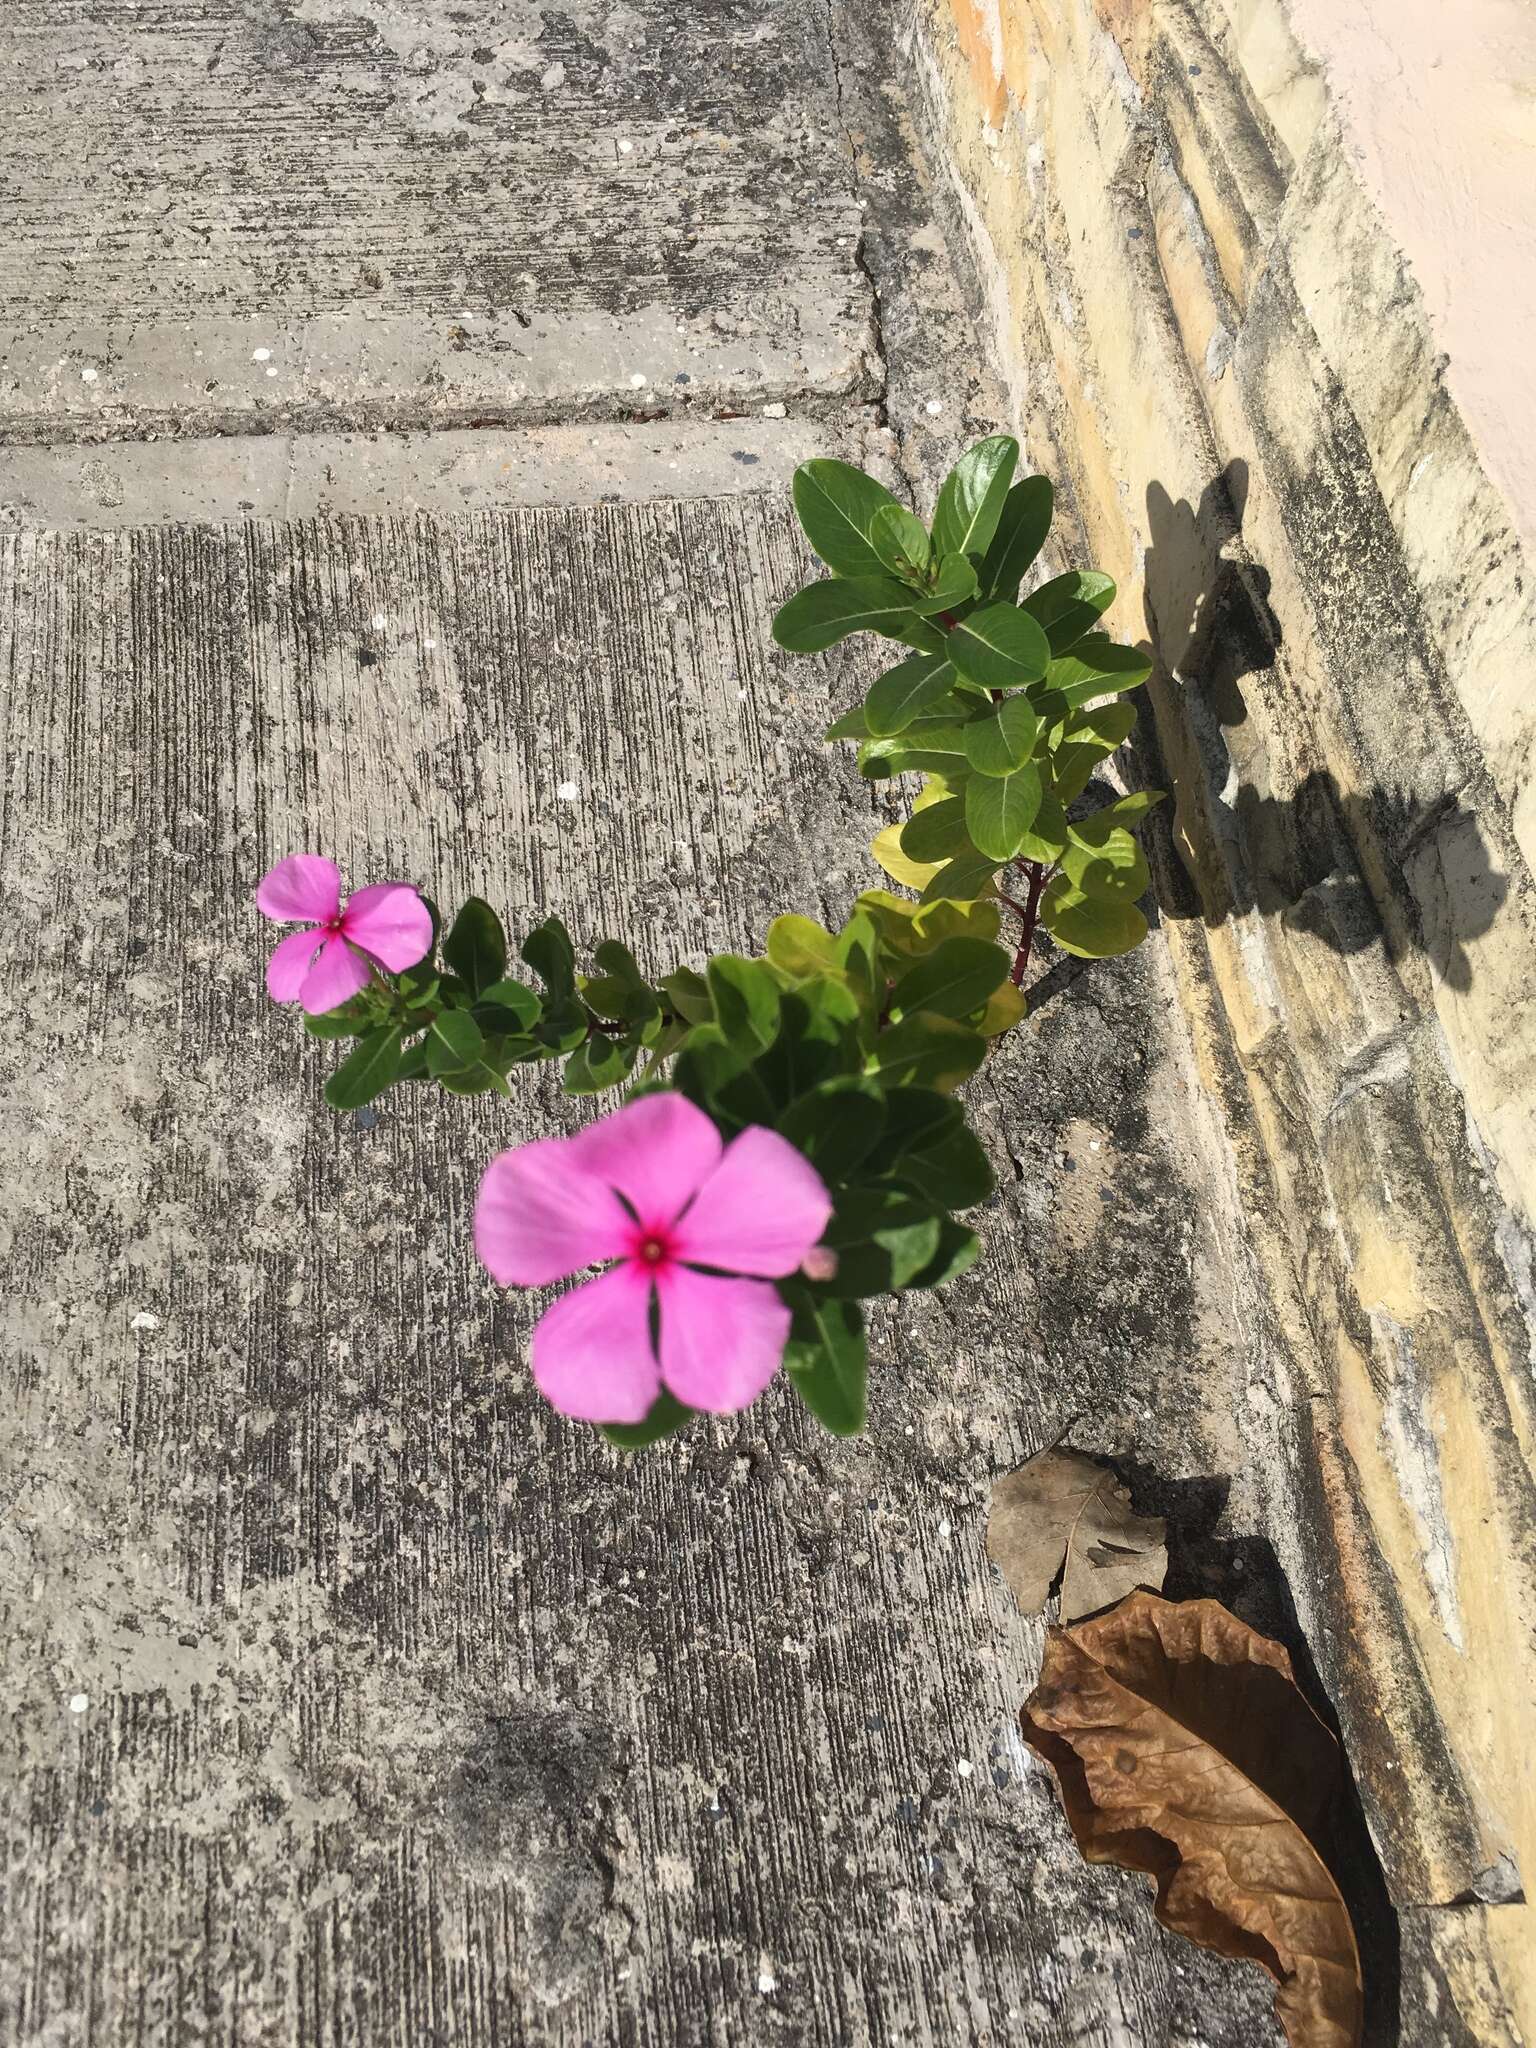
353,1698
255,215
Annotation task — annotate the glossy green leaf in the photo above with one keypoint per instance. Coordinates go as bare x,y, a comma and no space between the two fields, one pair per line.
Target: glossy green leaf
818,1039
1070,606
1102,859
665,1417
914,1117
601,1063
1106,726
930,738
824,613
746,1000
999,647
925,1050
367,1070
563,1025
413,1062
688,993
905,692
1004,740
937,832
836,505
1096,667
863,1210
614,959
953,586
453,1041
476,948
923,634
1047,836
853,725
512,999
957,1251
999,810
828,1363
951,981
549,952
836,1125
951,1171
1090,926
901,541
799,946
1021,532
972,497
962,880
348,1020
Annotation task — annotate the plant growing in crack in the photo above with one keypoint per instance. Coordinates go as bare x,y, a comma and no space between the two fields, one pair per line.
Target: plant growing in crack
791,1147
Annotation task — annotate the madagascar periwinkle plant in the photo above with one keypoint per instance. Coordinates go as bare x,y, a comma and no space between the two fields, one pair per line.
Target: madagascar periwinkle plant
791,1146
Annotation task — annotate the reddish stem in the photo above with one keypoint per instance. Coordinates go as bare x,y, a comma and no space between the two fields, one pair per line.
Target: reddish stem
1030,913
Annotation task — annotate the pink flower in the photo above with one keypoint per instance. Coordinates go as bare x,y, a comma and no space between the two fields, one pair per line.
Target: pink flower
323,967
652,1188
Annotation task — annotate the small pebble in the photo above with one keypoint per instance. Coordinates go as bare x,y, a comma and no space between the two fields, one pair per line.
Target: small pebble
78,1702
261,355
637,380
946,1527
89,375
567,792
379,622
965,1767
766,1982
935,405
775,412
625,148
553,78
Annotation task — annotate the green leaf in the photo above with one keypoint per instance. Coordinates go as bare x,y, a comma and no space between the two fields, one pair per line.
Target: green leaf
1069,606
476,948
927,1051
1096,667
1021,532
836,504
1047,836
922,634
957,1251
925,740
413,1062
901,541
954,585
602,1062
799,947
836,1125
824,613
1106,726
1090,926
951,981
851,726
962,880
905,692
717,1076
615,959
746,999
453,1041
999,809
951,1171
818,1038
348,1020
1003,741
549,952
366,1071
665,1417
827,1361
999,647
1103,859
914,1117
688,993
972,497
937,832
864,1210
513,999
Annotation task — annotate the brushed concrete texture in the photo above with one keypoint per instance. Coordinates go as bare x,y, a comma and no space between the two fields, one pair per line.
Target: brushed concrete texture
246,215
352,1696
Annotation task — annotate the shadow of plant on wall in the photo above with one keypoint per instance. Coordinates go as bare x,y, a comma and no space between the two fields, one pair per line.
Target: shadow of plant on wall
1354,868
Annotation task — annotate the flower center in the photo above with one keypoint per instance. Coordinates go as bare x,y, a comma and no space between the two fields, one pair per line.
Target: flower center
651,1251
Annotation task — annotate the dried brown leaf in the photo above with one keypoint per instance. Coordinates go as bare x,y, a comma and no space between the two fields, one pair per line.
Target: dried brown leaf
1184,1749
1063,1512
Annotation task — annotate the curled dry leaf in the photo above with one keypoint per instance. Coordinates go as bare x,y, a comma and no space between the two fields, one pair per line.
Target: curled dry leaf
1064,1513
1184,1749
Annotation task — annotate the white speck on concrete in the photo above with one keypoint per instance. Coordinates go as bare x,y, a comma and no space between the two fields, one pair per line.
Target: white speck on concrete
625,148
379,621
934,406
775,412
965,1767
946,1527
637,380
429,645
78,1702
89,374
567,792
272,369
553,78
144,1321
261,355
766,1980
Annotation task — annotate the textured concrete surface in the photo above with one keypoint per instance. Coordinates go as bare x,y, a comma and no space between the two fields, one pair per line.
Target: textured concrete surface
351,1697
1212,329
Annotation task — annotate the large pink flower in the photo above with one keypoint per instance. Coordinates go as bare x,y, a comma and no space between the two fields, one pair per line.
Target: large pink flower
323,967
652,1188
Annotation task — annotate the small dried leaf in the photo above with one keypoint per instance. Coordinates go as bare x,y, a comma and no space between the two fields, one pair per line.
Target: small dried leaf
1067,1514
1183,1749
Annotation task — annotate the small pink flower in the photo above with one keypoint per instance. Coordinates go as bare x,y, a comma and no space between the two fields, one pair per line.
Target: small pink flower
323,967
652,1188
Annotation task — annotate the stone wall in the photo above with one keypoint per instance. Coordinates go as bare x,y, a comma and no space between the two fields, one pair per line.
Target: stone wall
1218,348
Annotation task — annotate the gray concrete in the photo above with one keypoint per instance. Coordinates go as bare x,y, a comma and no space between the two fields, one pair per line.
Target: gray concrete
353,1697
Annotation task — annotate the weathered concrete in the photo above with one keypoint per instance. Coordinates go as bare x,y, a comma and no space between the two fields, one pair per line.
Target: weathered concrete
1212,332
257,215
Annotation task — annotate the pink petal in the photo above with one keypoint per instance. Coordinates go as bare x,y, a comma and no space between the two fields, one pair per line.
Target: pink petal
654,1151
540,1216
390,921
721,1340
760,1211
335,977
304,888
592,1355
288,968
